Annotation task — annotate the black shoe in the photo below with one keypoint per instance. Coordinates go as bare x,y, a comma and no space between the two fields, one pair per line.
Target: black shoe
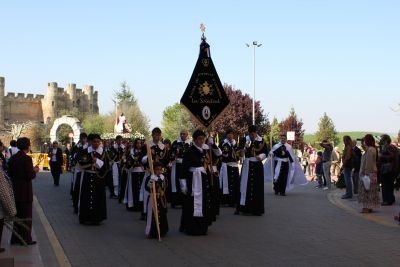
236,212
2,250
283,194
386,204
31,243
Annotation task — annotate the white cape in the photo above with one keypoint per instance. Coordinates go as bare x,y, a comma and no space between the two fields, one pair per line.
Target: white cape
295,176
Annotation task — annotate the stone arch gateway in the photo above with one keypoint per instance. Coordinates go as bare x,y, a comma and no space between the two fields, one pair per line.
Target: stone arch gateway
69,120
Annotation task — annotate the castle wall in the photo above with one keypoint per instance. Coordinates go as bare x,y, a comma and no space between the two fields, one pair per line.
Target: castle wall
22,108
45,109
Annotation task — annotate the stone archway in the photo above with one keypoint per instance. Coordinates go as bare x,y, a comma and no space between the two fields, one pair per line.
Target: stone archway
71,121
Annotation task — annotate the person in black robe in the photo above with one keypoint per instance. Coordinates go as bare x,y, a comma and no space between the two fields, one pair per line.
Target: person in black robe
283,157
161,185
252,175
77,156
92,201
158,153
117,180
213,158
197,208
229,172
133,163
178,149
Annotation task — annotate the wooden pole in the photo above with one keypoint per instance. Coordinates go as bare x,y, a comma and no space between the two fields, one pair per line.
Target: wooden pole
153,191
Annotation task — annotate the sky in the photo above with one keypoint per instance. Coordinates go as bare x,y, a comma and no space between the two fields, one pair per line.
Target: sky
340,57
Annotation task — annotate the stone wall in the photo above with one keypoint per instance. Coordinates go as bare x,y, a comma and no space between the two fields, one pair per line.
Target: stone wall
22,107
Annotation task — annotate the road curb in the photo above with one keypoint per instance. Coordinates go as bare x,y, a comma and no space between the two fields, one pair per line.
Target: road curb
62,258
370,217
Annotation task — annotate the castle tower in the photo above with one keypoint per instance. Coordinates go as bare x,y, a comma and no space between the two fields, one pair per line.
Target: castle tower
71,90
50,102
88,90
2,85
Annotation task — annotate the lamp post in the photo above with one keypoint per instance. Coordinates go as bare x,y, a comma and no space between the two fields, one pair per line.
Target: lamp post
255,44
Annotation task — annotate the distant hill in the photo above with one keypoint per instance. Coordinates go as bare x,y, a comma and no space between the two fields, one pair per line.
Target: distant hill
310,138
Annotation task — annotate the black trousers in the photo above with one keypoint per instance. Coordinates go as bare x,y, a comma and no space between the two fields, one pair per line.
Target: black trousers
388,187
55,169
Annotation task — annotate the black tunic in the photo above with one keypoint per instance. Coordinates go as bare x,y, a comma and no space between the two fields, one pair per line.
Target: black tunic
194,158
92,202
280,183
178,149
230,155
134,160
255,182
161,187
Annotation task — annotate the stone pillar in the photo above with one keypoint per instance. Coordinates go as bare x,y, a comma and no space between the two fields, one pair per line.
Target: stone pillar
2,86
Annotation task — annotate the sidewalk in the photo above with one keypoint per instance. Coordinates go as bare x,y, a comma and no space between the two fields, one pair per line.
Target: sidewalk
383,215
39,255
23,256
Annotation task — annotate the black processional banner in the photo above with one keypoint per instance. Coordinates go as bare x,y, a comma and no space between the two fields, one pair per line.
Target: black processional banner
204,96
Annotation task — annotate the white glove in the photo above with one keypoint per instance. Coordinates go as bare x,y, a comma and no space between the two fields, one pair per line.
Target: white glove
210,141
183,185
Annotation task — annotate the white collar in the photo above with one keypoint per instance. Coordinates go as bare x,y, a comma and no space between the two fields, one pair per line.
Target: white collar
204,146
226,141
155,177
258,138
83,146
98,150
187,141
116,146
278,145
160,145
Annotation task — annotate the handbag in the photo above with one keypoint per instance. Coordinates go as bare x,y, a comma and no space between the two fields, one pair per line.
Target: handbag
7,200
366,181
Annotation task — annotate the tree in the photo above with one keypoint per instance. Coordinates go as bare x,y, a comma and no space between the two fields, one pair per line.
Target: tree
16,129
275,131
238,115
125,95
127,104
326,130
175,118
293,124
94,124
62,133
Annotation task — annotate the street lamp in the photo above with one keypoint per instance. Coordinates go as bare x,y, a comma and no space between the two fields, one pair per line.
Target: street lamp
255,44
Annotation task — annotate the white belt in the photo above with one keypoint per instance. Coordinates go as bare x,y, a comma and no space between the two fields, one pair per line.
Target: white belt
232,164
196,169
281,159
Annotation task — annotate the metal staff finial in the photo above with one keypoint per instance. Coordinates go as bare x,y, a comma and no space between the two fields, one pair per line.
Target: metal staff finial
203,30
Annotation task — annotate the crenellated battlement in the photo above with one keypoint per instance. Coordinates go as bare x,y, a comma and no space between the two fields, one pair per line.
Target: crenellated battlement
22,96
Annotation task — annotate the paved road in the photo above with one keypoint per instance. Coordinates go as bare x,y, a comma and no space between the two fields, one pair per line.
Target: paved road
301,229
